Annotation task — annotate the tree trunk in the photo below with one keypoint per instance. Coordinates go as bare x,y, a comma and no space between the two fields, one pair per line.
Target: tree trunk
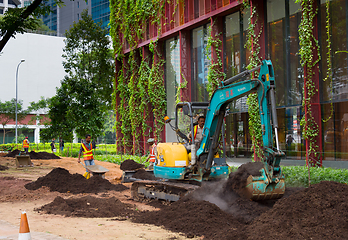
3,138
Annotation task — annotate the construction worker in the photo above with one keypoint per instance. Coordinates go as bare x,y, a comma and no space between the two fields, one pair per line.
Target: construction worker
151,157
198,131
26,145
86,149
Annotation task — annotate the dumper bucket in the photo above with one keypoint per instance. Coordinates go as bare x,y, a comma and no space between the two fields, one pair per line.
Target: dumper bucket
97,170
23,161
261,188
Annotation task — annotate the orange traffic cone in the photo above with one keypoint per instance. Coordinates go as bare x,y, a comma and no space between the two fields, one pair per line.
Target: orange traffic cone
24,233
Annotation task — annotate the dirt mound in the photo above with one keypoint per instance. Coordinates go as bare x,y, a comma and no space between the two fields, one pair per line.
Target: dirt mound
129,164
318,212
12,190
34,155
60,180
3,168
143,174
87,206
237,180
192,217
43,155
13,153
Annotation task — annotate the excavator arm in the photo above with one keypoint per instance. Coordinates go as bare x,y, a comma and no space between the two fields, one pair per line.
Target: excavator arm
264,85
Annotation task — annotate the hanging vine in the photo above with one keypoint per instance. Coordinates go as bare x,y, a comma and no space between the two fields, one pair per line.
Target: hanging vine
138,84
308,46
215,72
254,60
328,77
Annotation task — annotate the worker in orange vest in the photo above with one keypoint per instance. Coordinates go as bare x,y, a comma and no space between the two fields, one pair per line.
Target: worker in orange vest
86,149
26,145
151,157
198,131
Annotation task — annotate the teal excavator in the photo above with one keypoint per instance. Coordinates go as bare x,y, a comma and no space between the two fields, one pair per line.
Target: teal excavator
180,166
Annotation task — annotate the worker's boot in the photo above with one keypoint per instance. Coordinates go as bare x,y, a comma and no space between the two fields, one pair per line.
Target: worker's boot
87,175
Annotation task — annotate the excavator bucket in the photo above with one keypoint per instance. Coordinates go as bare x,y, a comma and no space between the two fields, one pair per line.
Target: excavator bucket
23,161
261,188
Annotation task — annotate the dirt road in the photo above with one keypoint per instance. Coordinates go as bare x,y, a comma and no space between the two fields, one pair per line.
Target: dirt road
14,198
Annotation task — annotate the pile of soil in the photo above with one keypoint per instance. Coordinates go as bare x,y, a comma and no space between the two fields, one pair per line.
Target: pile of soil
33,155
87,206
43,155
319,212
60,180
237,180
191,217
12,190
3,168
129,165
143,174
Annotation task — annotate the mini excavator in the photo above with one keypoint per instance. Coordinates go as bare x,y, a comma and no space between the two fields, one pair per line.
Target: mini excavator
180,166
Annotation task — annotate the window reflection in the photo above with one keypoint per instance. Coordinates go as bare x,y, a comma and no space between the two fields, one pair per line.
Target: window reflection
200,63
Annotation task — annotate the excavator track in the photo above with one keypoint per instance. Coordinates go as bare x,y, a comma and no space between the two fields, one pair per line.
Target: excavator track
168,191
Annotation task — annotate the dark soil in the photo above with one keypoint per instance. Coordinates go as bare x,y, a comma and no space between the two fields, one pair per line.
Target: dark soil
143,174
87,206
237,180
319,212
60,180
192,217
3,168
34,155
129,165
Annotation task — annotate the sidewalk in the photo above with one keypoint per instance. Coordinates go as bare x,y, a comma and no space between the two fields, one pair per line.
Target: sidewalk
236,162
10,232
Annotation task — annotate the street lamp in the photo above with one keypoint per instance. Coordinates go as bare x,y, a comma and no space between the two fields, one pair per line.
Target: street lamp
17,93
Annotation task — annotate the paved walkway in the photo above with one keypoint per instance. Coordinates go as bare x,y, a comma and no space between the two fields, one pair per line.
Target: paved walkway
10,232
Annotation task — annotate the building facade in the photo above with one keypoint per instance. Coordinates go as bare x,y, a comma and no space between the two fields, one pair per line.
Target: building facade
182,41
64,17
6,4
38,76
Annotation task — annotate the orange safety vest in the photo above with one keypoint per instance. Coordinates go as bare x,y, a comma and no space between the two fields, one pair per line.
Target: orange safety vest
25,143
195,128
152,154
87,153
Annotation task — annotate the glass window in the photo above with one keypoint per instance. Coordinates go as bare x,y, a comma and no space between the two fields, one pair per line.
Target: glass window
200,64
172,73
338,24
335,131
233,45
78,4
296,71
276,46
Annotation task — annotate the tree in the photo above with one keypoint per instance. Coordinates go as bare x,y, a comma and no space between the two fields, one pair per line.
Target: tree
18,20
84,98
8,113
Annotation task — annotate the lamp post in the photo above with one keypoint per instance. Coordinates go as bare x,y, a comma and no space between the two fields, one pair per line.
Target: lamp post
17,93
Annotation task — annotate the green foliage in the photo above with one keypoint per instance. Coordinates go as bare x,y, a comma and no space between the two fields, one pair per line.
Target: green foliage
137,84
297,176
308,46
255,123
18,20
215,71
8,113
252,101
84,98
